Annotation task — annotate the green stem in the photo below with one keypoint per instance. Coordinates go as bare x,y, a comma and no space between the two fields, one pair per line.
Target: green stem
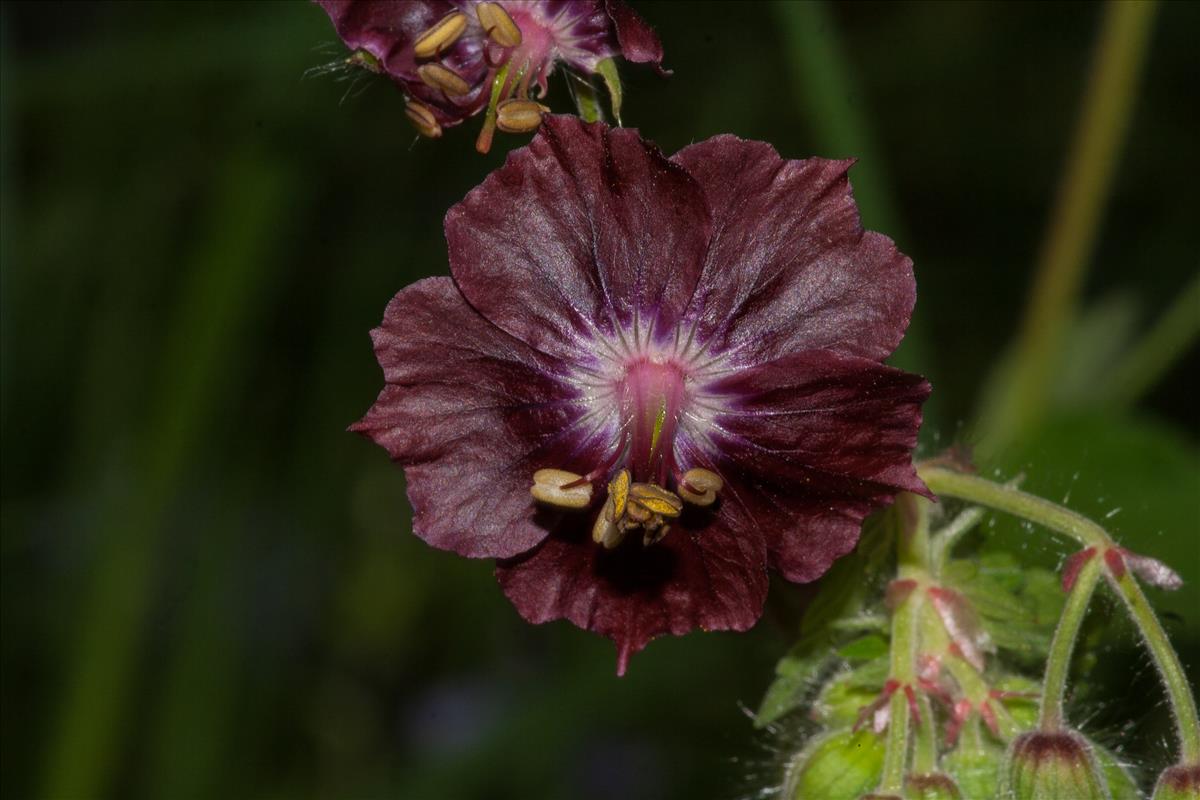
925,747
973,489
912,547
1092,161
945,482
1174,679
945,539
1154,354
1058,663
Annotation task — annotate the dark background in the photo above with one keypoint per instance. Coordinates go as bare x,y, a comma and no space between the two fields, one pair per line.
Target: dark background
210,589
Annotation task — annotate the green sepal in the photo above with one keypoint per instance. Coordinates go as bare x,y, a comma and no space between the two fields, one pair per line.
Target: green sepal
608,71
587,100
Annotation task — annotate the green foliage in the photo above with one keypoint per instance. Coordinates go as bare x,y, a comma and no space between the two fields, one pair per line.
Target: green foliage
1136,476
830,620
1017,605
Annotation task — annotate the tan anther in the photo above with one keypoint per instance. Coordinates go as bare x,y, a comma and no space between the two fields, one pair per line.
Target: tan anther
519,116
700,487
443,34
436,76
655,499
604,531
548,487
655,535
422,119
498,24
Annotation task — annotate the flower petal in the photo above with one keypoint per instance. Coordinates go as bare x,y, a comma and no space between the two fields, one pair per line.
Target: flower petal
589,232
702,575
790,267
638,41
809,445
471,413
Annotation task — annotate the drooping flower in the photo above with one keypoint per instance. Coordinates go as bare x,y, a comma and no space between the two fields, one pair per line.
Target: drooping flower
648,379
456,58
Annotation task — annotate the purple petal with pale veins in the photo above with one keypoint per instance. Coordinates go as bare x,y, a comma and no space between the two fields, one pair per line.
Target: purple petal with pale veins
810,445
705,576
789,266
471,413
586,235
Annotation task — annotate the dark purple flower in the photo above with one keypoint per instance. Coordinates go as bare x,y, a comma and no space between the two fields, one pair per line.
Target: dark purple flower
455,58
682,357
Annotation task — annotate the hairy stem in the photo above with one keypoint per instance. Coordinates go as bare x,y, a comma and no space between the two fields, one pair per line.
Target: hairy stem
1174,679
912,547
973,489
1058,663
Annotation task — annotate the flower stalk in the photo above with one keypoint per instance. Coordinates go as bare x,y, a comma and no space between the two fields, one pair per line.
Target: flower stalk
1058,664
912,546
973,489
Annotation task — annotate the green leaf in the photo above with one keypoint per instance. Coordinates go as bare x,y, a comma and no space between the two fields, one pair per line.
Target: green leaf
1136,477
837,610
586,98
1018,605
864,649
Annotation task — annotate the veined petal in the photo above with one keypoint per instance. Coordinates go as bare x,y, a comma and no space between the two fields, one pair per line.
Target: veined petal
470,413
810,444
789,266
597,233
704,575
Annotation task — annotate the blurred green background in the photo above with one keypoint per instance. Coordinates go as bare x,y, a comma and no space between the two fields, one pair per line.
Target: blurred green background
211,590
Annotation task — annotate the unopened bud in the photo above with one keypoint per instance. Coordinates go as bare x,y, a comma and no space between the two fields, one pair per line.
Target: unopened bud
1180,782
931,786
842,764
519,116
1053,765
557,487
975,767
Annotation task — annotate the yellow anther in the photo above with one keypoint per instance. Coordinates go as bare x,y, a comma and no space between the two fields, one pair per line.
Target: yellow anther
618,493
700,486
519,116
604,531
549,486
656,499
422,119
498,24
441,35
436,76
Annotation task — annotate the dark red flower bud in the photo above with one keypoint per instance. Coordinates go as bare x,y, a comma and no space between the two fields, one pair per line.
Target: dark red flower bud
1180,782
1052,766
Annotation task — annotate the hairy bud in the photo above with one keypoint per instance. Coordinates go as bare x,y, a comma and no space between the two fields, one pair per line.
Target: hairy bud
1051,766
1180,782
842,765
